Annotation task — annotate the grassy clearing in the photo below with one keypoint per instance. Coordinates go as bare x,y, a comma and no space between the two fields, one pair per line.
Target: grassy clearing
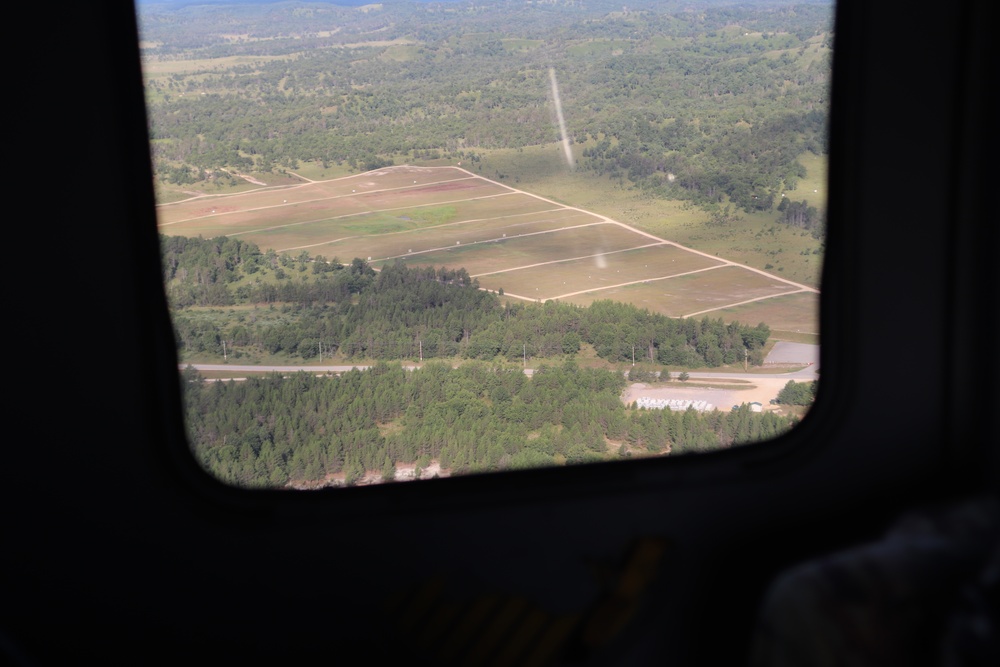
156,66
434,215
315,171
794,317
812,188
401,53
755,240
168,192
280,178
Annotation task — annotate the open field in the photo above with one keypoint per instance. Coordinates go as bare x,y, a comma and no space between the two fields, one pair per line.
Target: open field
598,273
412,186
536,248
432,245
706,292
751,239
792,317
532,247
153,67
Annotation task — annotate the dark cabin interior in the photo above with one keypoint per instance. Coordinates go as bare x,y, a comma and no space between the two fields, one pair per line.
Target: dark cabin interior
117,547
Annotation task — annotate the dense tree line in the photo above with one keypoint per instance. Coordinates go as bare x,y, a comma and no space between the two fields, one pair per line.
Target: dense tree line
801,214
404,312
798,393
475,418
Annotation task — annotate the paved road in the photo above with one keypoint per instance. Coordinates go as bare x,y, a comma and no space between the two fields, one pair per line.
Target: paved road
782,353
292,369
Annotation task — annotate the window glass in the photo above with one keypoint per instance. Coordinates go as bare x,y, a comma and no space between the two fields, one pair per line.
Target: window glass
423,239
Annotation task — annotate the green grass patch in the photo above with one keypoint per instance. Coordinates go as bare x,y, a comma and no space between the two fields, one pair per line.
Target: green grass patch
755,240
812,188
793,317
315,171
162,67
431,215
401,53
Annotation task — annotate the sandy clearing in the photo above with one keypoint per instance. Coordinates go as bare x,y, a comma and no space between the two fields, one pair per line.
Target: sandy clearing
762,392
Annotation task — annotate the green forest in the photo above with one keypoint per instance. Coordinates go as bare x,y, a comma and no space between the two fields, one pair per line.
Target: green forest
472,411
478,417
351,312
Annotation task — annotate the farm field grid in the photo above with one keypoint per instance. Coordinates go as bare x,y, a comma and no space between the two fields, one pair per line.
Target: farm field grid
532,248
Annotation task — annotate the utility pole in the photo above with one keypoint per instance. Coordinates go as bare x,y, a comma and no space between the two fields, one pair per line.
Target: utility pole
633,355
421,343
224,357
746,356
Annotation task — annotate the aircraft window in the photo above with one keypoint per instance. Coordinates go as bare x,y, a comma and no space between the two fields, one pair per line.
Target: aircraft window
425,239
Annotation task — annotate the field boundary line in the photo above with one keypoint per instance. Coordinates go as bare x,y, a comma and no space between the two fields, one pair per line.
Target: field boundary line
686,316
226,195
318,199
740,303
471,220
291,186
495,240
569,259
411,231
600,219
606,287
351,215
652,236
638,282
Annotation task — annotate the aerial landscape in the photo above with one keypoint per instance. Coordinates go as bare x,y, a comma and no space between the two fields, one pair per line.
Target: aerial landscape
422,239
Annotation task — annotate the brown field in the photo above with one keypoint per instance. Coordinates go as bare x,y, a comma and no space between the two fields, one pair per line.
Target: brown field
790,314
694,294
597,272
417,245
337,197
538,247
533,248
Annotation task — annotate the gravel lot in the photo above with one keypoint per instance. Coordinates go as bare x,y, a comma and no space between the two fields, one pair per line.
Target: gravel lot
764,389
